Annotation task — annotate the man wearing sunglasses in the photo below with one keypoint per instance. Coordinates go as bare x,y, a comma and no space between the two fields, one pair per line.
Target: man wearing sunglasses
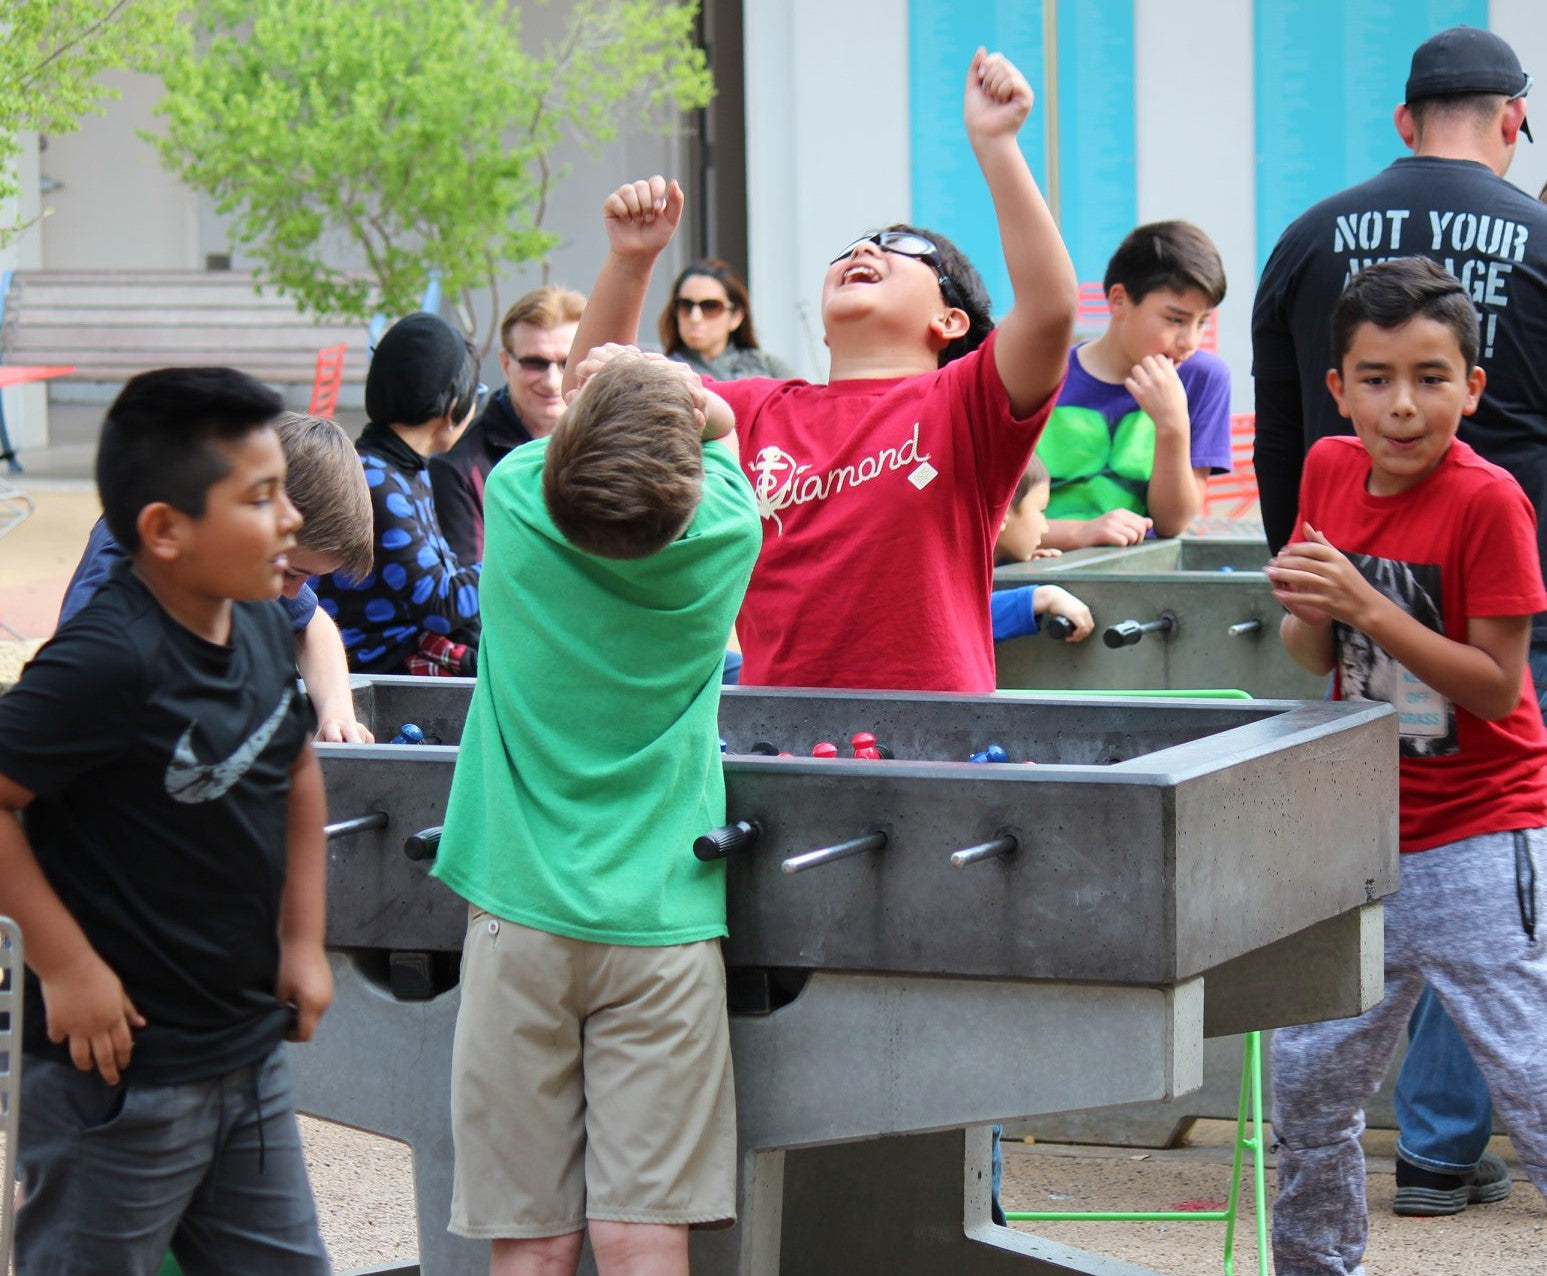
535,337
882,491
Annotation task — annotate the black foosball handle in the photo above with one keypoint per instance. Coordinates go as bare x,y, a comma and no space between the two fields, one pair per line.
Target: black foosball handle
424,844
1059,627
728,839
1125,633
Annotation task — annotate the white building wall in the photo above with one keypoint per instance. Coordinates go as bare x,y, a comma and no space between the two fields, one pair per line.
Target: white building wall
113,206
1524,24
1195,146
827,152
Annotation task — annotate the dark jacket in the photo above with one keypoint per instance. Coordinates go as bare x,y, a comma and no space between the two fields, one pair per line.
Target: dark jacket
457,476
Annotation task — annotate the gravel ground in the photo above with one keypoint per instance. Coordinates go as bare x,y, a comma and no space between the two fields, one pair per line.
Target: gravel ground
1507,1237
365,1194
364,1189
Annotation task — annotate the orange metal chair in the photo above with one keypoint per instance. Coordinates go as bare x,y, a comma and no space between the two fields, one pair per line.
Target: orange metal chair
328,378
1233,495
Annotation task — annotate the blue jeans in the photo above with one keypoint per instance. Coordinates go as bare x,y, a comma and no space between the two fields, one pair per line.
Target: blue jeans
1443,1108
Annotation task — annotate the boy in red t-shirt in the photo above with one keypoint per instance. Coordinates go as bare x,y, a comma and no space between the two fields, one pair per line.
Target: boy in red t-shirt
882,492
1415,582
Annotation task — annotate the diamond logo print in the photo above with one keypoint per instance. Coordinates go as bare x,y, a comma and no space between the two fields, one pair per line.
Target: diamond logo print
923,475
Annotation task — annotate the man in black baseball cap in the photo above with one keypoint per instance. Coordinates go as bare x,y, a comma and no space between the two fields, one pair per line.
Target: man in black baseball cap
1463,61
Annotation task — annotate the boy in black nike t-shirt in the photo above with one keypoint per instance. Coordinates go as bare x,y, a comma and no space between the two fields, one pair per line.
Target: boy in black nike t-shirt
168,866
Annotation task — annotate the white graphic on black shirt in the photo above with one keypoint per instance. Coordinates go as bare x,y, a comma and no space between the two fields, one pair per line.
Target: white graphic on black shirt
190,781
1478,249
780,481
1426,719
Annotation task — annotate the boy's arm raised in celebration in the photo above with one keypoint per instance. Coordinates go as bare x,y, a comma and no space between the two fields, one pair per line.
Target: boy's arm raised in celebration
640,217
85,1001
1032,347
305,978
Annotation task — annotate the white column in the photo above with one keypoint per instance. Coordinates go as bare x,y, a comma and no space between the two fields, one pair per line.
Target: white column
1196,146
827,152
1524,24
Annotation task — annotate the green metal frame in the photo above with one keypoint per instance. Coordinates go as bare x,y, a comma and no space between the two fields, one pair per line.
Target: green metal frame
1164,693
1250,1109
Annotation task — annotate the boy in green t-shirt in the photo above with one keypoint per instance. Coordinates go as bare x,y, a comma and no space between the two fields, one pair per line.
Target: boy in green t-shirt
591,1078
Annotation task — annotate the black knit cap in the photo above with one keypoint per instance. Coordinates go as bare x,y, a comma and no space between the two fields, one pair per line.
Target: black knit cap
1463,60
418,365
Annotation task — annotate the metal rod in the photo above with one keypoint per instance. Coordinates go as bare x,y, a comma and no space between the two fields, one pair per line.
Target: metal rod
1243,627
1004,844
359,824
841,851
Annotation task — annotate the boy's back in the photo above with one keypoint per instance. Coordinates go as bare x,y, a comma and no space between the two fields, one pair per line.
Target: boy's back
589,761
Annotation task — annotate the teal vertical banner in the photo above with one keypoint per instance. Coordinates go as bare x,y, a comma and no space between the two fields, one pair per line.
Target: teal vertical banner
1098,177
1094,105
949,194
1328,76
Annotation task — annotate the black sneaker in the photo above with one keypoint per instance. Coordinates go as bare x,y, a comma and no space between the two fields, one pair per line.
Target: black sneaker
1426,1194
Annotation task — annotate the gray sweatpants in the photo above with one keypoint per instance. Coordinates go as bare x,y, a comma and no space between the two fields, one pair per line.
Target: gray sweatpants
1459,920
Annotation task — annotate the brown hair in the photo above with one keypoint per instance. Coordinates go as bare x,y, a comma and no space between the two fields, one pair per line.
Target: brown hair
1475,111
735,290
1175,255
1036,472
625,466
325,481
1391,292
545,307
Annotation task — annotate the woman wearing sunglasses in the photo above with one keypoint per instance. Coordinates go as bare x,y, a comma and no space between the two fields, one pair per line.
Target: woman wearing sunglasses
707,325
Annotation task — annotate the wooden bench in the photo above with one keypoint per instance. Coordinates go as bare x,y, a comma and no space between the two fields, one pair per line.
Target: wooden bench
114,324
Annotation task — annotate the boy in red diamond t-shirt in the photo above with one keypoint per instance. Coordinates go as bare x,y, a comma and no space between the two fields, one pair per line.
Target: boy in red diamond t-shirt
882,492
1415,583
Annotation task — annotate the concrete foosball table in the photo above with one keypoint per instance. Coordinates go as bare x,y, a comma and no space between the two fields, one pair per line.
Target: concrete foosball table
1225,634
974,942
1169,614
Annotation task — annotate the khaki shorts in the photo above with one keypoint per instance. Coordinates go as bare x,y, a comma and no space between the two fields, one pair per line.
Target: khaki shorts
589,1081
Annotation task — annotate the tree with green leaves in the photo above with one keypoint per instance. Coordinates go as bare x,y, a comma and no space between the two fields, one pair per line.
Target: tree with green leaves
51,55
419,135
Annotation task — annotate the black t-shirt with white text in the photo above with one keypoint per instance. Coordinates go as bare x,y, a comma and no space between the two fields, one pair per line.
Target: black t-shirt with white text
161,767
1488,233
